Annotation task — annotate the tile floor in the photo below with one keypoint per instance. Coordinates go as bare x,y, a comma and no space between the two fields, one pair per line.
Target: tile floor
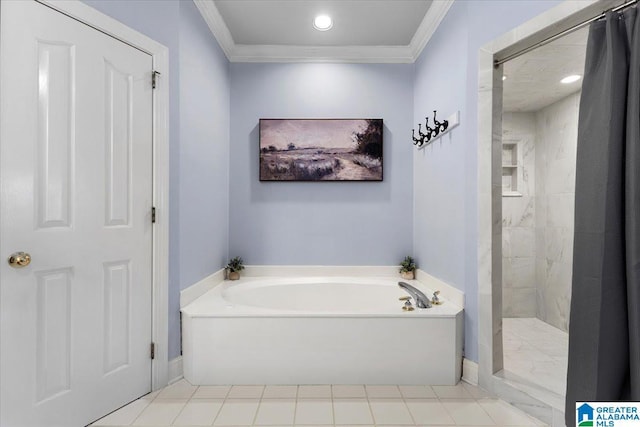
536,352
182,404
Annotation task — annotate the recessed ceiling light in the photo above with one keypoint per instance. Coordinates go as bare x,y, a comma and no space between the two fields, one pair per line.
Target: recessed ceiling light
322,23
504,78
570,79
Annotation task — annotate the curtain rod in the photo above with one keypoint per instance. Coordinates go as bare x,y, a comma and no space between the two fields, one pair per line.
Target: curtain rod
498,62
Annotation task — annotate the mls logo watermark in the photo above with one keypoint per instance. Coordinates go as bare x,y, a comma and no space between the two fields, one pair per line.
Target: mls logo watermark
607,414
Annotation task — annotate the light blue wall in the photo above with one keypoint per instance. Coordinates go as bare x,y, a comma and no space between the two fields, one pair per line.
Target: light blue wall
199,140
445,174
204,157
204,149
321,223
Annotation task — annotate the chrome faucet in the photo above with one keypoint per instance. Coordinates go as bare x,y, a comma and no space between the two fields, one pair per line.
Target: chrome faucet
420,298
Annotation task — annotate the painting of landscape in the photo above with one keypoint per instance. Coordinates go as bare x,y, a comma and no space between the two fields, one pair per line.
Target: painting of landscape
321,149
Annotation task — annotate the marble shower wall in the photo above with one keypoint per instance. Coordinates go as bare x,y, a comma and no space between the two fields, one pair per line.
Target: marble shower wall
556,144
537,233
518,223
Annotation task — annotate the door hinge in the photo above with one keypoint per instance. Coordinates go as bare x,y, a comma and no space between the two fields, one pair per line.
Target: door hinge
154,78
153,214
153,350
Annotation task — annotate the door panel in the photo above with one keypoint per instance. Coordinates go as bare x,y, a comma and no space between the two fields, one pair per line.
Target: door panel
55,133
118,111
75,192
117,332
53,333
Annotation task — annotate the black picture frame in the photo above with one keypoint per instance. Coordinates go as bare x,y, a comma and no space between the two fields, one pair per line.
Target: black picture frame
321,150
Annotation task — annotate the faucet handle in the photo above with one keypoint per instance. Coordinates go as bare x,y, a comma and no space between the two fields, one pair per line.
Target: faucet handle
405,298
407,306
435,300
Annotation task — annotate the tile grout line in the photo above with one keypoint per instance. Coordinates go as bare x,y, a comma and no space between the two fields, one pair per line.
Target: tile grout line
217,413
145,408
495,422
366,393
176,416
409,410
153,400
224,400
185,405
255,416
333,409
181,410
472,399
295,405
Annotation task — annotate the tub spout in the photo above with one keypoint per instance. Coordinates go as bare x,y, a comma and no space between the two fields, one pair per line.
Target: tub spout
419,297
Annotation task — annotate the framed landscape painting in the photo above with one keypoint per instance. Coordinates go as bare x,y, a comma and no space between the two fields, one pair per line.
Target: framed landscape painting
321,149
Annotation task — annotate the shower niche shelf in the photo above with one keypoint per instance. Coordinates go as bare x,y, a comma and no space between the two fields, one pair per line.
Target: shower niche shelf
511,169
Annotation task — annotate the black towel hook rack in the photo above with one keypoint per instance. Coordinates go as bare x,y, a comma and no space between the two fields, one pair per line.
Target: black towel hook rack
432,133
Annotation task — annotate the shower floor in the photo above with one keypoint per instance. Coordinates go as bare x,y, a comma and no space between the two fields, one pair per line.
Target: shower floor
536,352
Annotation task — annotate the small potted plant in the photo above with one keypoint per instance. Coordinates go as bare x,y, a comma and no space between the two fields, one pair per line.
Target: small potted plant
408,268
234,267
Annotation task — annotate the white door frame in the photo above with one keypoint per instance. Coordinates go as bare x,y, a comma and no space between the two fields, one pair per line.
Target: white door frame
489,256
160,277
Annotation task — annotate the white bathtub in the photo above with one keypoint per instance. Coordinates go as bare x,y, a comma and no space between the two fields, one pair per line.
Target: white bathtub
319,330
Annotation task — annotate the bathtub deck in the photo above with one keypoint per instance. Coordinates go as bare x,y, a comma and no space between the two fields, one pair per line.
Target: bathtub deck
212,305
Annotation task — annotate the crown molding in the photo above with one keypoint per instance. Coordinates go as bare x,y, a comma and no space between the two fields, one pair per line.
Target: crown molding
290,53
428,26
216,25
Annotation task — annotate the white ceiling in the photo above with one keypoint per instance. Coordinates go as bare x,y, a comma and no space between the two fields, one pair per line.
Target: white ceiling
363,30
355,23
533,79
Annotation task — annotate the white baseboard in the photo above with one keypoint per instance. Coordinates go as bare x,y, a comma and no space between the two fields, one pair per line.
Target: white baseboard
469,371
175,370
196,290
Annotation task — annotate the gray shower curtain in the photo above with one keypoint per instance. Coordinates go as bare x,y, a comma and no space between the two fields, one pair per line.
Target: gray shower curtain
604,329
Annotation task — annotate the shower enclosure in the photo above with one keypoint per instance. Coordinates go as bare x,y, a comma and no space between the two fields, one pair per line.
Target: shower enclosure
539,140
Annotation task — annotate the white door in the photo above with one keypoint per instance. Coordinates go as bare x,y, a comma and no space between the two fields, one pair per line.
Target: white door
75,193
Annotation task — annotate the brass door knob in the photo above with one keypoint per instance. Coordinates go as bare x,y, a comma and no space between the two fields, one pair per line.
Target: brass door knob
19,259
